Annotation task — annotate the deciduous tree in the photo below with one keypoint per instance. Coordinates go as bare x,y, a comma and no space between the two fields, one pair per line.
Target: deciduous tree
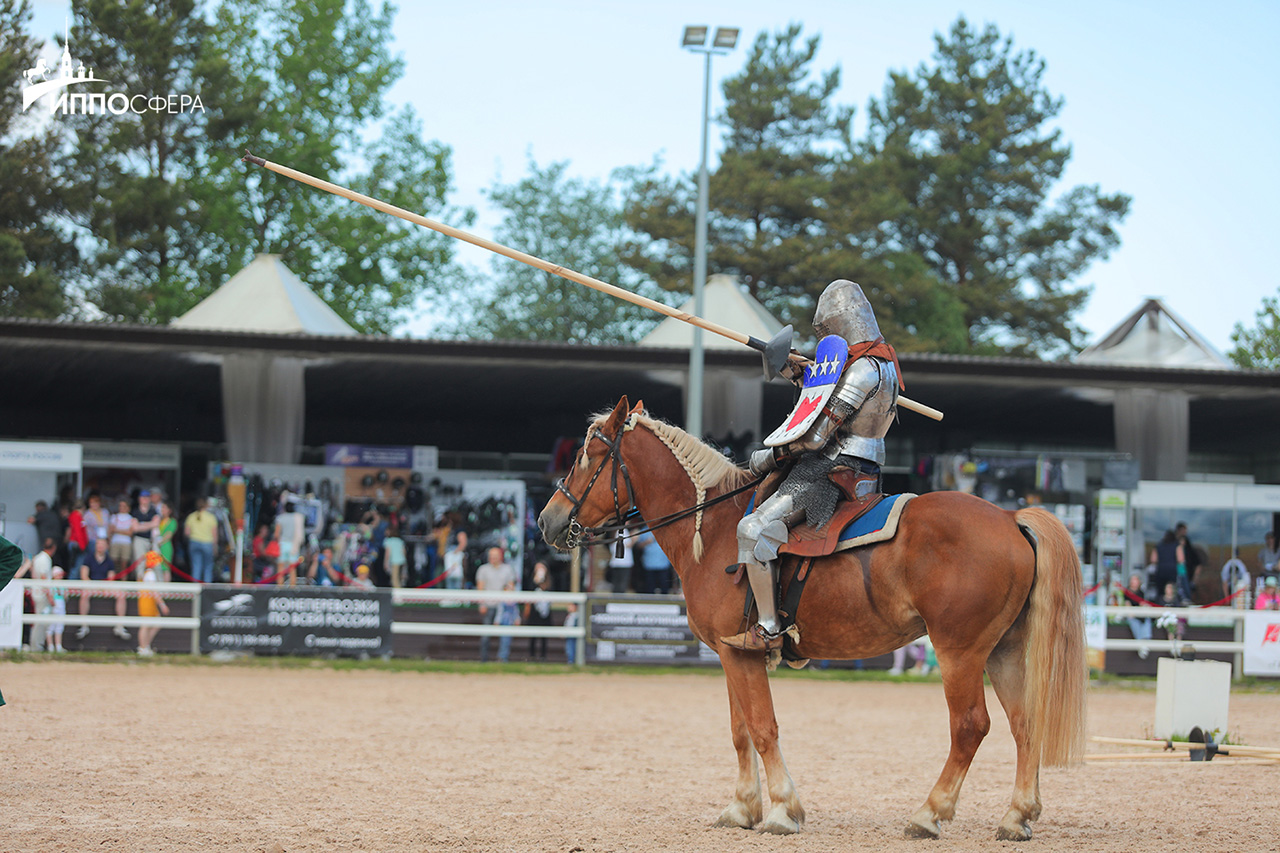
301,82
1258,348
36,254
578,224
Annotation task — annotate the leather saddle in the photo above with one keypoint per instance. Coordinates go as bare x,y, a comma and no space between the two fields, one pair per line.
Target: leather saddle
857,495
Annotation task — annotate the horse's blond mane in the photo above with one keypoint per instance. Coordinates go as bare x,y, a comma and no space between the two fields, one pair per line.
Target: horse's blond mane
707,467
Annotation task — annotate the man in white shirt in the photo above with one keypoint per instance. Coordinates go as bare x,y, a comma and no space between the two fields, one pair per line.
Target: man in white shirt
493,575
42,570
291,528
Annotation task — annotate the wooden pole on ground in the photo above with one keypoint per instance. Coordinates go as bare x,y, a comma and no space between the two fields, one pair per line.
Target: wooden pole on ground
1234,749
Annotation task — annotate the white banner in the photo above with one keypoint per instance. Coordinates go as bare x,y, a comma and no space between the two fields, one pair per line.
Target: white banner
1095,627
39,456
11,616
1262,642
132,454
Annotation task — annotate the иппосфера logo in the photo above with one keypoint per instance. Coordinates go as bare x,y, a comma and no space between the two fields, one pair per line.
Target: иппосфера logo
40,83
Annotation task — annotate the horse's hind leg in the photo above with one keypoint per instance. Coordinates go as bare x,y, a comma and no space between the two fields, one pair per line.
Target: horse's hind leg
1007,668
967,705
746,809
749,685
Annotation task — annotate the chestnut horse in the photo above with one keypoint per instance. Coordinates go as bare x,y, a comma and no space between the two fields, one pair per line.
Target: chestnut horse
995,590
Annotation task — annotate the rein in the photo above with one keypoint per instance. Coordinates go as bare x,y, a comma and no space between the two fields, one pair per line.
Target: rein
578,534
605,531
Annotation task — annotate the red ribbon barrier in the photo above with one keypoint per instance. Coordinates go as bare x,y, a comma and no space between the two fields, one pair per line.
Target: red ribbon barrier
1139,600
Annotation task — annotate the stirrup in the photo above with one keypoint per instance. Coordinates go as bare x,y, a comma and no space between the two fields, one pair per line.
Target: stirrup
754,639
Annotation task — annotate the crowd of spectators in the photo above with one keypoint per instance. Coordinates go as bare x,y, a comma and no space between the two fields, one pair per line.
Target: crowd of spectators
82,540
141,536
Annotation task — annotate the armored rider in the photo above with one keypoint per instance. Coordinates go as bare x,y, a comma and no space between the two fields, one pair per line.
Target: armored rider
849,394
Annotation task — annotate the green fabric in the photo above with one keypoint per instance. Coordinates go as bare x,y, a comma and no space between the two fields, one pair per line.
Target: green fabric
169,525
10,562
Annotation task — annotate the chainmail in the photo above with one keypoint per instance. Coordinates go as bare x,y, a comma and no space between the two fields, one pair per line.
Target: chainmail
811,488
813,492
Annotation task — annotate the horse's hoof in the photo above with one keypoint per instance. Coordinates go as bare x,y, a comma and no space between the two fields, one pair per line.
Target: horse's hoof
781,822
917,829
780,826
736,816
1017,832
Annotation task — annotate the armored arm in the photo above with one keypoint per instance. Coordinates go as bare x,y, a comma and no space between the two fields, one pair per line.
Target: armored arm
860,379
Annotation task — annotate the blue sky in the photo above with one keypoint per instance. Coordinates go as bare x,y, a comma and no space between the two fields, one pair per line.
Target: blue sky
1174,103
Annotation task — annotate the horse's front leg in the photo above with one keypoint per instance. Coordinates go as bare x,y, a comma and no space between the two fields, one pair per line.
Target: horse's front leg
745,810
749,685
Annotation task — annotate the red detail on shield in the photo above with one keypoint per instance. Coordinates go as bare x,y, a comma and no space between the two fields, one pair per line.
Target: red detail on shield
803,411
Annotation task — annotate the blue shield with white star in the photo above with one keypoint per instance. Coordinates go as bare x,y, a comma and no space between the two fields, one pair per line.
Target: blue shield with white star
820,380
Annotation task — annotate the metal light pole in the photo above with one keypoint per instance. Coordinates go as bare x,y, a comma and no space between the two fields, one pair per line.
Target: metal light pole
695,39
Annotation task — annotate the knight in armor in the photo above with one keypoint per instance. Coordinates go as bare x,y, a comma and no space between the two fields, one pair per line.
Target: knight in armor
849,395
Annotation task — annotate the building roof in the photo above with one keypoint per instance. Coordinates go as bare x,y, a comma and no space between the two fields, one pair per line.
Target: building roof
1154,336
724,303
519,396
265,296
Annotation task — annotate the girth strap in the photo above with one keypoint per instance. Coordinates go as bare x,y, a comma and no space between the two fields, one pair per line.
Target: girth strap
791,606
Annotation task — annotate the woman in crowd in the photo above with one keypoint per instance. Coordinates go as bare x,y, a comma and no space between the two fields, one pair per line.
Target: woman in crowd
166,528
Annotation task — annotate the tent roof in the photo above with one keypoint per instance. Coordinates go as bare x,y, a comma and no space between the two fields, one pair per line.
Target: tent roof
726,304
1154,336
265,296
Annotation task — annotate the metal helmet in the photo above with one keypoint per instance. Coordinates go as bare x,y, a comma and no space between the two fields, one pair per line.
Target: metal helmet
843,310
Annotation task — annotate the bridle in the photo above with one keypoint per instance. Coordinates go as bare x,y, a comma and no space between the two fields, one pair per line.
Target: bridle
573,538
615,524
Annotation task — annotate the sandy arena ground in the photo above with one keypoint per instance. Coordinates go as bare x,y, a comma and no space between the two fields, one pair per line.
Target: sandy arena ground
158,757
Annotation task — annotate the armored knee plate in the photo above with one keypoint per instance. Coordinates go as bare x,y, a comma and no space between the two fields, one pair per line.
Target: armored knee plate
763,532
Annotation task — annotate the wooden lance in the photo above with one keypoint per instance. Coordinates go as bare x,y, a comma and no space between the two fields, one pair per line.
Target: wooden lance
775,351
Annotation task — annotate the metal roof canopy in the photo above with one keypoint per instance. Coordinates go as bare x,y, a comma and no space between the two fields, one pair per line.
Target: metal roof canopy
100,381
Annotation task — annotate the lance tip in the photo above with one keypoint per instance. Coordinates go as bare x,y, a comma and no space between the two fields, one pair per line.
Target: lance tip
249,158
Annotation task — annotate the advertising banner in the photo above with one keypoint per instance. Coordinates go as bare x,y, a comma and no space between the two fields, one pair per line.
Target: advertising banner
293,621
643,632
1095,637
11,616
1262,643
368,456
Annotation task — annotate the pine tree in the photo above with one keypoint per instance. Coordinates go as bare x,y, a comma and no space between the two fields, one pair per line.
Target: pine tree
967,146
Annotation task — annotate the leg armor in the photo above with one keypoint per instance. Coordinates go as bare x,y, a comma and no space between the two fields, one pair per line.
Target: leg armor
760,535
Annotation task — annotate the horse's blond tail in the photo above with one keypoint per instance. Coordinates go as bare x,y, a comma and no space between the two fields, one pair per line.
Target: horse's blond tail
1056,674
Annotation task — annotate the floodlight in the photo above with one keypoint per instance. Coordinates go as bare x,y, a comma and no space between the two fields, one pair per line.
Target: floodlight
695,36
726,38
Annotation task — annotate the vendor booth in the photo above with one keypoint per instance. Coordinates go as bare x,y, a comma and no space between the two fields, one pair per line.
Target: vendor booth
114,468
35,470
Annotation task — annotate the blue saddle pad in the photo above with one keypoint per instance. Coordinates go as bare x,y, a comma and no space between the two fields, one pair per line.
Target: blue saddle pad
869,522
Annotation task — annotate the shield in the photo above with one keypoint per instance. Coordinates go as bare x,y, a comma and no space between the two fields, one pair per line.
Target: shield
820,380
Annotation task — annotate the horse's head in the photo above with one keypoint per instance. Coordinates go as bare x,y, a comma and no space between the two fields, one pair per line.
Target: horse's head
597,488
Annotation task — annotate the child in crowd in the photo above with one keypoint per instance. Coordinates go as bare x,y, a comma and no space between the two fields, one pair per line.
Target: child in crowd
508,614
58,595
571,643
393,553
1268,600
150,603
362,578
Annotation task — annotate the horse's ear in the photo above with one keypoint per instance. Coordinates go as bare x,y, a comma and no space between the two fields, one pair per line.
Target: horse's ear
637,409
614,421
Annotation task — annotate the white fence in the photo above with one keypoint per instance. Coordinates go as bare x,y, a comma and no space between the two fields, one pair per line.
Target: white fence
1213,617
444,597
1159,642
